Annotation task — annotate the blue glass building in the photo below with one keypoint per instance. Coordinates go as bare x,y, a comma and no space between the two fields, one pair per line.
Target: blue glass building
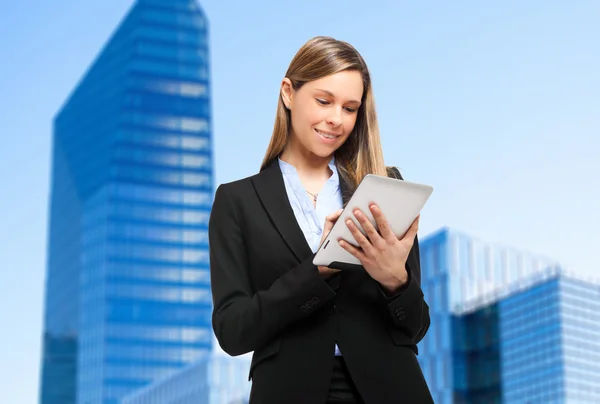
550,340
506,326
127,291
219,379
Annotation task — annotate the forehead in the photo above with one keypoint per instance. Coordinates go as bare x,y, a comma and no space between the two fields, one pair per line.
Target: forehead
346,85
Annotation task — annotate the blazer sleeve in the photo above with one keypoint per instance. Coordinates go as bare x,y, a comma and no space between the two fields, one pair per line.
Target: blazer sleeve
244,321
407,307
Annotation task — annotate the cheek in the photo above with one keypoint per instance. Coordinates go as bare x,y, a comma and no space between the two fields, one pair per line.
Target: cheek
315,115
349,122
303,122
302,118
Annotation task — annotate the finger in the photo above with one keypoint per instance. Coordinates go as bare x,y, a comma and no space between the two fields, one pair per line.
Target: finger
334,216
368,227
411,233
327,227
360,238
326,270
356,252
331,219
382,224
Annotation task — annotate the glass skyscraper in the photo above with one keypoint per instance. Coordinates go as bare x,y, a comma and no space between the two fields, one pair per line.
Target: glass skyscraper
127,291
550,341
219,379
506,326
457,269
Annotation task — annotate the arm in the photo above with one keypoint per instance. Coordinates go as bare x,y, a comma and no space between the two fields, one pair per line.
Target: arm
407,306
244,321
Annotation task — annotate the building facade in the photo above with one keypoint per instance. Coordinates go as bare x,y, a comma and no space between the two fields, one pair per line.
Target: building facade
506,326
127,290
550,341
216,380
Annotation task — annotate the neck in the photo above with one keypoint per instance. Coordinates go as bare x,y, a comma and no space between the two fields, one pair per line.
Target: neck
306,162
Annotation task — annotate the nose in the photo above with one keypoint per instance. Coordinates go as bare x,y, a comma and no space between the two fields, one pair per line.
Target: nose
335,118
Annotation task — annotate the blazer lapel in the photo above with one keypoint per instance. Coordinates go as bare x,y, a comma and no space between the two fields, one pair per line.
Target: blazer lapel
271,190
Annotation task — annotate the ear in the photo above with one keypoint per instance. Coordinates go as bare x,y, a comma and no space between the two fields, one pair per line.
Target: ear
287,92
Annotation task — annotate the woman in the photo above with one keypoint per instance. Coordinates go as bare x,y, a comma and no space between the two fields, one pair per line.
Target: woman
318,335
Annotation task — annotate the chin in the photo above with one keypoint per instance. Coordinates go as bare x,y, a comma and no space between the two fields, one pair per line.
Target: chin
324,152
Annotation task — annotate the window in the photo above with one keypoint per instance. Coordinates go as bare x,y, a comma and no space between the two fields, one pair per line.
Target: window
188,37
165,139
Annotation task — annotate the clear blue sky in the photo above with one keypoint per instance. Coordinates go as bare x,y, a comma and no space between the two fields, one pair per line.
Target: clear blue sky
496,105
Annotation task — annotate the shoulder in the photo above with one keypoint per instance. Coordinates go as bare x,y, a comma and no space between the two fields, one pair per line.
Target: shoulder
229,200
234,189
394,172
241,191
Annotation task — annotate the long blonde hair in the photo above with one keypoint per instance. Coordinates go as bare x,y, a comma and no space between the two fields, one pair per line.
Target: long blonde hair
361,154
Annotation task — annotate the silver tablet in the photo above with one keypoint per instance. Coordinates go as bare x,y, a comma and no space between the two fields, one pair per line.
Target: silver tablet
400,201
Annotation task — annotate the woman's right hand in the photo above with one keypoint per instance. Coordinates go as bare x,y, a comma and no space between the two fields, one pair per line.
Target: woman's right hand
329,222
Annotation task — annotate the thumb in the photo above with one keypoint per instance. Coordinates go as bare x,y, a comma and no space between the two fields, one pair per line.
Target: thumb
333,216
330,220
414,228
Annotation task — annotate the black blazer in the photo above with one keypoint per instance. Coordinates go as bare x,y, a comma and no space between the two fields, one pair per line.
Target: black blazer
269,298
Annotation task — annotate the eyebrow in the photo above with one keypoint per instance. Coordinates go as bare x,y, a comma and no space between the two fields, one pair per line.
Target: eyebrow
329,93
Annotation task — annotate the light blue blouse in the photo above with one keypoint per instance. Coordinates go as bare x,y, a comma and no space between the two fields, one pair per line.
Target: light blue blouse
310,218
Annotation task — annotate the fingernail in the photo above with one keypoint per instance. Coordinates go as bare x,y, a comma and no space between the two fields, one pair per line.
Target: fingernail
357,213
349,222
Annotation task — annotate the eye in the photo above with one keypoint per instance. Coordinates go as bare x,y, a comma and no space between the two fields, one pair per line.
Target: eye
322,102
351,110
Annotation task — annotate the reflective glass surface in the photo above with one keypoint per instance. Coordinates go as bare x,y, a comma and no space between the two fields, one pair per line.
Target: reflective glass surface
128,292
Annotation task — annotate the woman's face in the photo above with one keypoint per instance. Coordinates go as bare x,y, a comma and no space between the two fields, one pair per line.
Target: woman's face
323,111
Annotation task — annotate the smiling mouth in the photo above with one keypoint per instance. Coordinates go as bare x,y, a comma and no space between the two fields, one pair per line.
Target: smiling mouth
327,135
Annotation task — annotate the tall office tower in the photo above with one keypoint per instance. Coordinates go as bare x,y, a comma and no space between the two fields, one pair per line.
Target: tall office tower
550,340
458,269
536,341
506,326
127,293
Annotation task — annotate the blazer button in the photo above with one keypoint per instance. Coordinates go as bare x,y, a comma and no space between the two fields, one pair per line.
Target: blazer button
303,309
309,304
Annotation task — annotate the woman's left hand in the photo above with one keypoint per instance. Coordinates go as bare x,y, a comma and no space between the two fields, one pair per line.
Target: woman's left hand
382,254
